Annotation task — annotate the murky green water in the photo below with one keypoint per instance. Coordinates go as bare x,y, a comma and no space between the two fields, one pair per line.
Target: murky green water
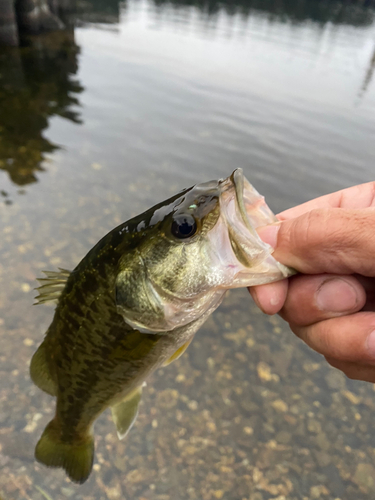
100,122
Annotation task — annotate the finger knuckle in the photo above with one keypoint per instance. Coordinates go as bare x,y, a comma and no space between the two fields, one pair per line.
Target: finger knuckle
306,228
310,235
320,338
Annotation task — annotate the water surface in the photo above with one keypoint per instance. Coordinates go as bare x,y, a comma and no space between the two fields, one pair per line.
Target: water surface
130,104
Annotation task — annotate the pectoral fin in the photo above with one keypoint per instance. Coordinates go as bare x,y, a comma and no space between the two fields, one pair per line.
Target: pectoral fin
125,412
180,351
40,373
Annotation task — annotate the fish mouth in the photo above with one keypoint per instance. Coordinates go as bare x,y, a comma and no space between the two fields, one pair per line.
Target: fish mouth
238,181
244,210
251,206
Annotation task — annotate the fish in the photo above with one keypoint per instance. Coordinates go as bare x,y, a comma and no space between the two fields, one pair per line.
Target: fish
135,302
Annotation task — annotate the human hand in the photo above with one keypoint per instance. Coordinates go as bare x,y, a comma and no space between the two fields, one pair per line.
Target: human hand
331,306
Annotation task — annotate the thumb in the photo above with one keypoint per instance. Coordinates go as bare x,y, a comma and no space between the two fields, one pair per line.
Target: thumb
325,240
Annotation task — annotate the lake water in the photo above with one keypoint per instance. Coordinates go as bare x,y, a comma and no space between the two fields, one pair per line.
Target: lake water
133,103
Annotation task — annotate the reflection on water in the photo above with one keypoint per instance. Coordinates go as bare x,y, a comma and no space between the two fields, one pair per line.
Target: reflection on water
320,11
145,99
369,74
99,11
37,81
36,84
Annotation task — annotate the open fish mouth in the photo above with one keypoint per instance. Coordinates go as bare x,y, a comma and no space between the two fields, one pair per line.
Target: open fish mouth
244,210
251,205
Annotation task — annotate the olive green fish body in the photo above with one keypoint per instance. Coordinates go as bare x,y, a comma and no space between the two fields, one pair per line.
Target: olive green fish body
94,356
134,303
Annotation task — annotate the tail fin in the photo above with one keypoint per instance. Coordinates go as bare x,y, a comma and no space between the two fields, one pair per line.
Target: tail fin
76,458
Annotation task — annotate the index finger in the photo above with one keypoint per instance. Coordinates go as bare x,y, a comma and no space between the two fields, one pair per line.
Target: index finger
361,196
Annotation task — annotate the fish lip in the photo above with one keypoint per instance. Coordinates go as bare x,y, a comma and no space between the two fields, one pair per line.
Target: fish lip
237,179
236,194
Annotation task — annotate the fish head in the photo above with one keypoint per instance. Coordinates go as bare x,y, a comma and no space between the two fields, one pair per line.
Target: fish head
192,249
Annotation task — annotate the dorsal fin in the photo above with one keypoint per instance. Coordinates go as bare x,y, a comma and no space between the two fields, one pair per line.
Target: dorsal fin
52,286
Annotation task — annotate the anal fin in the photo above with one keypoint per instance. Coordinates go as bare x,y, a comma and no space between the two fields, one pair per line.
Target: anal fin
180,351
40,372
125,412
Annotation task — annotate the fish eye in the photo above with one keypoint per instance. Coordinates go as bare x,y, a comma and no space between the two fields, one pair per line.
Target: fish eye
183,226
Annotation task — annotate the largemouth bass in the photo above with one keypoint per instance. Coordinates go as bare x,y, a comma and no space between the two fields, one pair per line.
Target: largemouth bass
134,303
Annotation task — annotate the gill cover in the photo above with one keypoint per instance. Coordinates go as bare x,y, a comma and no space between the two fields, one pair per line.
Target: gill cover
136,299
148,308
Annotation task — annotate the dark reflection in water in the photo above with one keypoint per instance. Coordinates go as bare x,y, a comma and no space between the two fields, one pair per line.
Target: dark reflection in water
321,11
36,83
99,11
356,13
369,74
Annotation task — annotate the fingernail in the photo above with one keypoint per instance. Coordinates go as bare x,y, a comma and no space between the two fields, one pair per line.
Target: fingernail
370,344
336,295
269,233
